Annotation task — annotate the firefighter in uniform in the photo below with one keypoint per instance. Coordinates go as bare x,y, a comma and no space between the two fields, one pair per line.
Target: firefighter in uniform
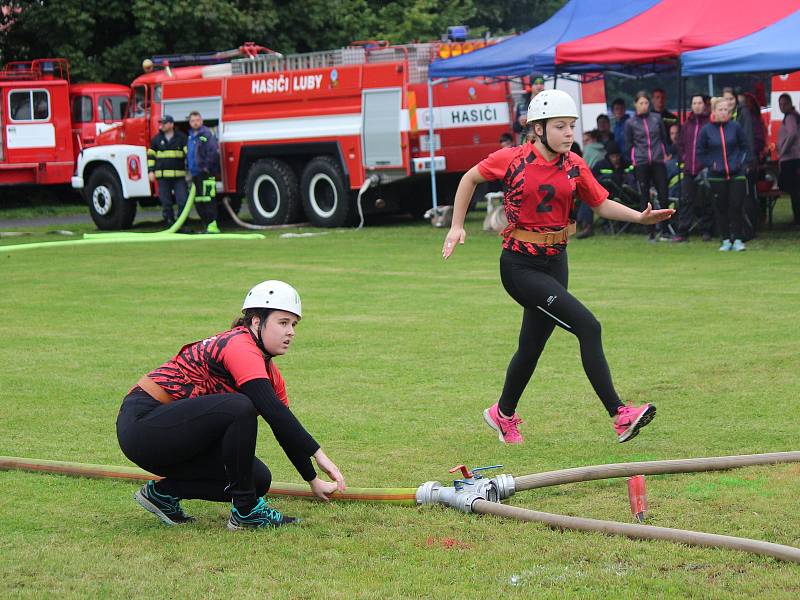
166,163
541,180
203,161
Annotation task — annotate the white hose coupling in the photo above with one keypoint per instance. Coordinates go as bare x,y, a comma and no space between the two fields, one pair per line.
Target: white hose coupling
428,492
505,486
432,492
458,499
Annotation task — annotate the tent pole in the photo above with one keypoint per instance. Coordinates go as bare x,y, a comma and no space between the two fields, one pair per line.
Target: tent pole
710,84
681,120
431,143
681,94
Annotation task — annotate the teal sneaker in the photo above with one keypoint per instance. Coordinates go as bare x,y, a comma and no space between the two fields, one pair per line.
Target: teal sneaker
738,246
165,507
726,246
262,515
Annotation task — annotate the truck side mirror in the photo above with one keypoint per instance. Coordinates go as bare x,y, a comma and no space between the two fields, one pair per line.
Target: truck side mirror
108,111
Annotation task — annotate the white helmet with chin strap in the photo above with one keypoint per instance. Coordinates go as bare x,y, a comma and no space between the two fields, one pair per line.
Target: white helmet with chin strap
273,294
549,104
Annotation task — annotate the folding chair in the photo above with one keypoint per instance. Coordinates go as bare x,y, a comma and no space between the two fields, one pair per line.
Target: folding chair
624,194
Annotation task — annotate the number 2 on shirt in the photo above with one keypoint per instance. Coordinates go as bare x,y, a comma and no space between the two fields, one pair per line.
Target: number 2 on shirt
548,192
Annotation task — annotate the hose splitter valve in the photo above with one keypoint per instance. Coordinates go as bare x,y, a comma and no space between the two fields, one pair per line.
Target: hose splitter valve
472,486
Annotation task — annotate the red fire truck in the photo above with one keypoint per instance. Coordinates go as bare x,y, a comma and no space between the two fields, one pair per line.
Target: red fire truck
300,134
45,121
787,83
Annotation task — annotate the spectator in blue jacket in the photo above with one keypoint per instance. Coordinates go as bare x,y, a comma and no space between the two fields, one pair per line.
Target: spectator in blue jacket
202,159
645,139
723,148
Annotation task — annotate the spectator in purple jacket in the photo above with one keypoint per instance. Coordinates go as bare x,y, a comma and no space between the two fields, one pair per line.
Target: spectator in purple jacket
694,200
645,140
789,153
752,210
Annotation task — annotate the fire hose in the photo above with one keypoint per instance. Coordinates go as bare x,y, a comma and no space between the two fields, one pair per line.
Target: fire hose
474,493
235,218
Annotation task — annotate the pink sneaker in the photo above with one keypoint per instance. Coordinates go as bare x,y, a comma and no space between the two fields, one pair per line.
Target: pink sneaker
630,419
506,428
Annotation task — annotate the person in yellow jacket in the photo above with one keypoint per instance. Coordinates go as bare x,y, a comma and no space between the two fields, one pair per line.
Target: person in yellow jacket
166,165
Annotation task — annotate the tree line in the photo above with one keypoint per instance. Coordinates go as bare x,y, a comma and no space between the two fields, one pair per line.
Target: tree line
107,40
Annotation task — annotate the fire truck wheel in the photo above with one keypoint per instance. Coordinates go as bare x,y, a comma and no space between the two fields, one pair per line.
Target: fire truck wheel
326,199
108,208
272,194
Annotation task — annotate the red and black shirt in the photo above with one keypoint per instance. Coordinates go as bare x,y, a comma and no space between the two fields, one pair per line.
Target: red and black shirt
539,195
232,362
218,364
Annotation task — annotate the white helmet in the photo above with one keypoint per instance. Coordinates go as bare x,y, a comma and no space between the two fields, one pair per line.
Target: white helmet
548,104
273,294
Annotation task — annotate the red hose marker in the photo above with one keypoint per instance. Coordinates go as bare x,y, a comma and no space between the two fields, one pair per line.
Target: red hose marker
637,494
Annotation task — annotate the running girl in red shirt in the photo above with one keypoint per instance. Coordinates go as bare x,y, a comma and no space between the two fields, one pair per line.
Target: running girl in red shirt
194,419
540,183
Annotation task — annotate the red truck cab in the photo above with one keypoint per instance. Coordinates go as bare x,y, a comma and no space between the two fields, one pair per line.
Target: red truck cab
95,108
35,128
45,121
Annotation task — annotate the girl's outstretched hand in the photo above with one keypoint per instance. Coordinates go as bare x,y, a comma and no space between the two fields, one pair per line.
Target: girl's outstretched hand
650,216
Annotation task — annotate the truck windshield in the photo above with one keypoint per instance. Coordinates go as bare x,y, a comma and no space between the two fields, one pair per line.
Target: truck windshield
81,109
138,107
111,108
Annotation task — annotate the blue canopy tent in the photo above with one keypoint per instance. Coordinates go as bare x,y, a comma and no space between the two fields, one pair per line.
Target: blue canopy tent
772,49
534,50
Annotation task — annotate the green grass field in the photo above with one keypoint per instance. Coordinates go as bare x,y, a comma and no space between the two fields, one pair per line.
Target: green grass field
397,355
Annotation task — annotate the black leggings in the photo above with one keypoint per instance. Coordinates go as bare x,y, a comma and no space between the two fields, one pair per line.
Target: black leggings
655,174
539,285
728,200
203,447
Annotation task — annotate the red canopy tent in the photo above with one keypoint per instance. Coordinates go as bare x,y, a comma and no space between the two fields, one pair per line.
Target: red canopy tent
668,29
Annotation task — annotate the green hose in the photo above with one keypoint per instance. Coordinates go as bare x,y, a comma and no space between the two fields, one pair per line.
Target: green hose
277,488
174,228
167,235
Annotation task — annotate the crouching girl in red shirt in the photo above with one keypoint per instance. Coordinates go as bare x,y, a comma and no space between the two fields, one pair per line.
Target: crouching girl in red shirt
194,419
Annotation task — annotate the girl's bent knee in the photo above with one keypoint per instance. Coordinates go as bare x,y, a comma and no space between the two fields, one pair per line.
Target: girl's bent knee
241,406
262,477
